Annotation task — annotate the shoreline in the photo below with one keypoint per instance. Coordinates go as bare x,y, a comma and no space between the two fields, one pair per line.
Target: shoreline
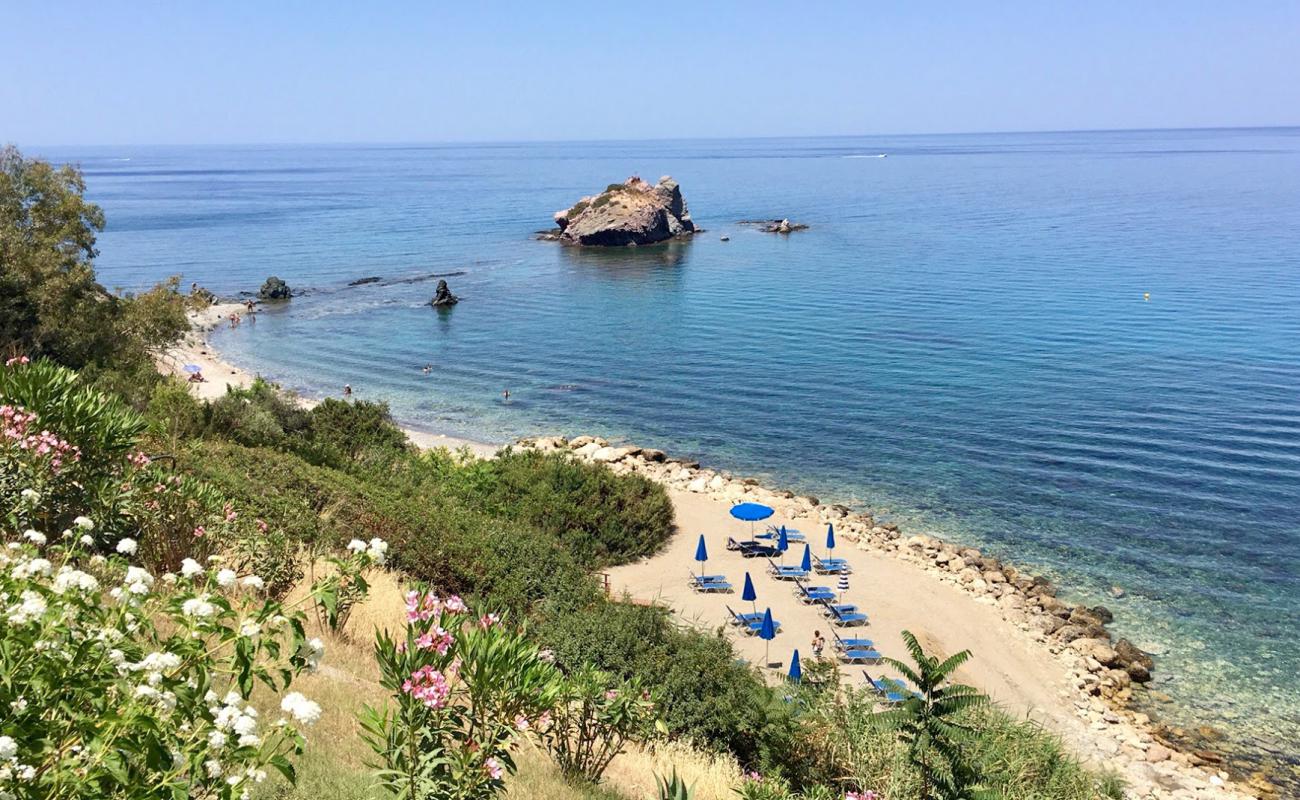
1080,687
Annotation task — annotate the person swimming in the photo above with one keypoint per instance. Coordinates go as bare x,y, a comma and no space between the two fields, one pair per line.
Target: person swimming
505,395
427,369
347,390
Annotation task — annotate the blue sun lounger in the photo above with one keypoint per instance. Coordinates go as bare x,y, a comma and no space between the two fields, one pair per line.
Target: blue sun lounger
710,583
850,618
783,573
831,566
852,644
860,656
892,691
744,619
841,608
812,594
752,549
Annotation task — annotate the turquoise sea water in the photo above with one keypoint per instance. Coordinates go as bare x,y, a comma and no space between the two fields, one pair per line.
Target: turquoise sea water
960,341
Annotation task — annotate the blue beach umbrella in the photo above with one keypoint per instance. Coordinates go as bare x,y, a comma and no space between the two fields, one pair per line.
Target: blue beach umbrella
767,632
751,513
782,542
192,368
701,554
830,538
796,671
749,593
806,564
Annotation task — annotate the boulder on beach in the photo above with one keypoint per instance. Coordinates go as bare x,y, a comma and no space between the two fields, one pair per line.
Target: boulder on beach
274,289
442,296
634,212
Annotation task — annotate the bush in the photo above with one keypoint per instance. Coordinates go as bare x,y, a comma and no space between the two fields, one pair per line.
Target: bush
601,517
172,415
257,416
595,717
340,433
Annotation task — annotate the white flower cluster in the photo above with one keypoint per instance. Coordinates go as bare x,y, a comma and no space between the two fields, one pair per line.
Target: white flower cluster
313,650
300,708
127,547
69,579
31,607
25,568
190,568
10,768
35,537
198,607
376,550
233,717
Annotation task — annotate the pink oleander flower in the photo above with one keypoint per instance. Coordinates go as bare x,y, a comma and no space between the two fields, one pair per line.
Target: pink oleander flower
544,721
611,694
454,604
429,686
139,460
753,777
436,639
867,795
488,620
262,526
199,532
229,511
420,608
522,723
493,769
18,360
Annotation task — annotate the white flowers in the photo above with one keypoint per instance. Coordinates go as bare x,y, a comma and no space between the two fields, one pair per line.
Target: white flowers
69,578
315,652
198,607
8,747
85,523
86,539
190,568
35,537
376,550
300,708
249,628
31,606
30,495
253,582
226,578
137,580
127,547
29,567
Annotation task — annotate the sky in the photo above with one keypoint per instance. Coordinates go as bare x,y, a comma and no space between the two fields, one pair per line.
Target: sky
182,72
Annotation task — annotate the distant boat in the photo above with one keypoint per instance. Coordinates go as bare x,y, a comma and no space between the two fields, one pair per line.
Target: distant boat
864,155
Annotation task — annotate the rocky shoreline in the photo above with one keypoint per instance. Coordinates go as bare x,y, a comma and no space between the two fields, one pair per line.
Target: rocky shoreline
1107,673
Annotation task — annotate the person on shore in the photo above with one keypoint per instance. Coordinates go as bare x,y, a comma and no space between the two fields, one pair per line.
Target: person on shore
818,644
197,377
347,390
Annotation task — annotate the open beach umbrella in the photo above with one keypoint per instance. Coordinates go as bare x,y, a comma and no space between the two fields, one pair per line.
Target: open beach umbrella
767,632
830,539
192,368
843,585
749,593
806,564
796,671
701,554
751,513
782,543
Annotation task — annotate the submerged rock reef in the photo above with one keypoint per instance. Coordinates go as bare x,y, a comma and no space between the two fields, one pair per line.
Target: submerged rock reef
634,212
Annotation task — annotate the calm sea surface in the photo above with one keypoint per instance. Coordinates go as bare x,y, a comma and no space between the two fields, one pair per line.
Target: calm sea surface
960,341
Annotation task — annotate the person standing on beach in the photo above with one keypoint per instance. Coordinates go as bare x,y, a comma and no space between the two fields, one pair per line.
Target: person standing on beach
818,644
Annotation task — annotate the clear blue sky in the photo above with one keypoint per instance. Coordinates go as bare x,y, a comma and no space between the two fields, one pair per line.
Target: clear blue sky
234,72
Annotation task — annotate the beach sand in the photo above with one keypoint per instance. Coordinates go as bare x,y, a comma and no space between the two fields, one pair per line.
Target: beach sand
1015,666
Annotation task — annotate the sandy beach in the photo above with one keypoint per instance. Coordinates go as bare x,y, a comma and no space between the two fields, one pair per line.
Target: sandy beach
1021,668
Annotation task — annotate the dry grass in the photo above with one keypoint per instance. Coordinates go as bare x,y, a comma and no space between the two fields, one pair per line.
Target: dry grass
334,765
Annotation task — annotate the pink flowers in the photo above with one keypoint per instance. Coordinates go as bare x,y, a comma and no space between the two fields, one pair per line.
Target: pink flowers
454,604
611,694
421,607
435,639
200,532
522,723
429,686
488,620
262,527
139,460
18,361
493,768
16,424
867,795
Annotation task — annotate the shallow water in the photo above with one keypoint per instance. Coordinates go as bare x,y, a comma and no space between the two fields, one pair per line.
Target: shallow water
961,340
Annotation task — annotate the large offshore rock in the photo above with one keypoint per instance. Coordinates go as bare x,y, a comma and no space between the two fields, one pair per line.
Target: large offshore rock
634,212
274,289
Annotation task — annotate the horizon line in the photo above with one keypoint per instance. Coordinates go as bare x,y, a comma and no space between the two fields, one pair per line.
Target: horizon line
506,142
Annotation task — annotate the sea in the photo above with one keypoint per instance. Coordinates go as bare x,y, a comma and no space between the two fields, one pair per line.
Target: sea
1079,351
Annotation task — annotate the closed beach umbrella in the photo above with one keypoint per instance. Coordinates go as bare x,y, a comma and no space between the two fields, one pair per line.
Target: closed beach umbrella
767,632
751,513
782,543
796,671
701,554
843,586
806,564
830,538
749,593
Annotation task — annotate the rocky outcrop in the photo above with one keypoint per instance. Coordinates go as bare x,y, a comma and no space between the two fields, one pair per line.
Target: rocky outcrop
442,296
274,289
634,212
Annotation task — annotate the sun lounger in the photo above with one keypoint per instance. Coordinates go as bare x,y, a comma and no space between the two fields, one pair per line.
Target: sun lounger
783,573
812,594
850,618
744,619
710,583
831,566
890,690
860,656
852,644
757,549
842,608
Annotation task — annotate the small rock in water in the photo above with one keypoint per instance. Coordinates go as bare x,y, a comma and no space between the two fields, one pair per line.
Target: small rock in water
442,296
1117,592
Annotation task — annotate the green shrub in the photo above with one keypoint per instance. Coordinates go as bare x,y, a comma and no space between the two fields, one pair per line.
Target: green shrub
340,433
258,416
173,415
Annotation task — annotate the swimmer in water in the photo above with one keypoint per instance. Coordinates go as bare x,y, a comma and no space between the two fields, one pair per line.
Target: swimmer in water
347,390
505,395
